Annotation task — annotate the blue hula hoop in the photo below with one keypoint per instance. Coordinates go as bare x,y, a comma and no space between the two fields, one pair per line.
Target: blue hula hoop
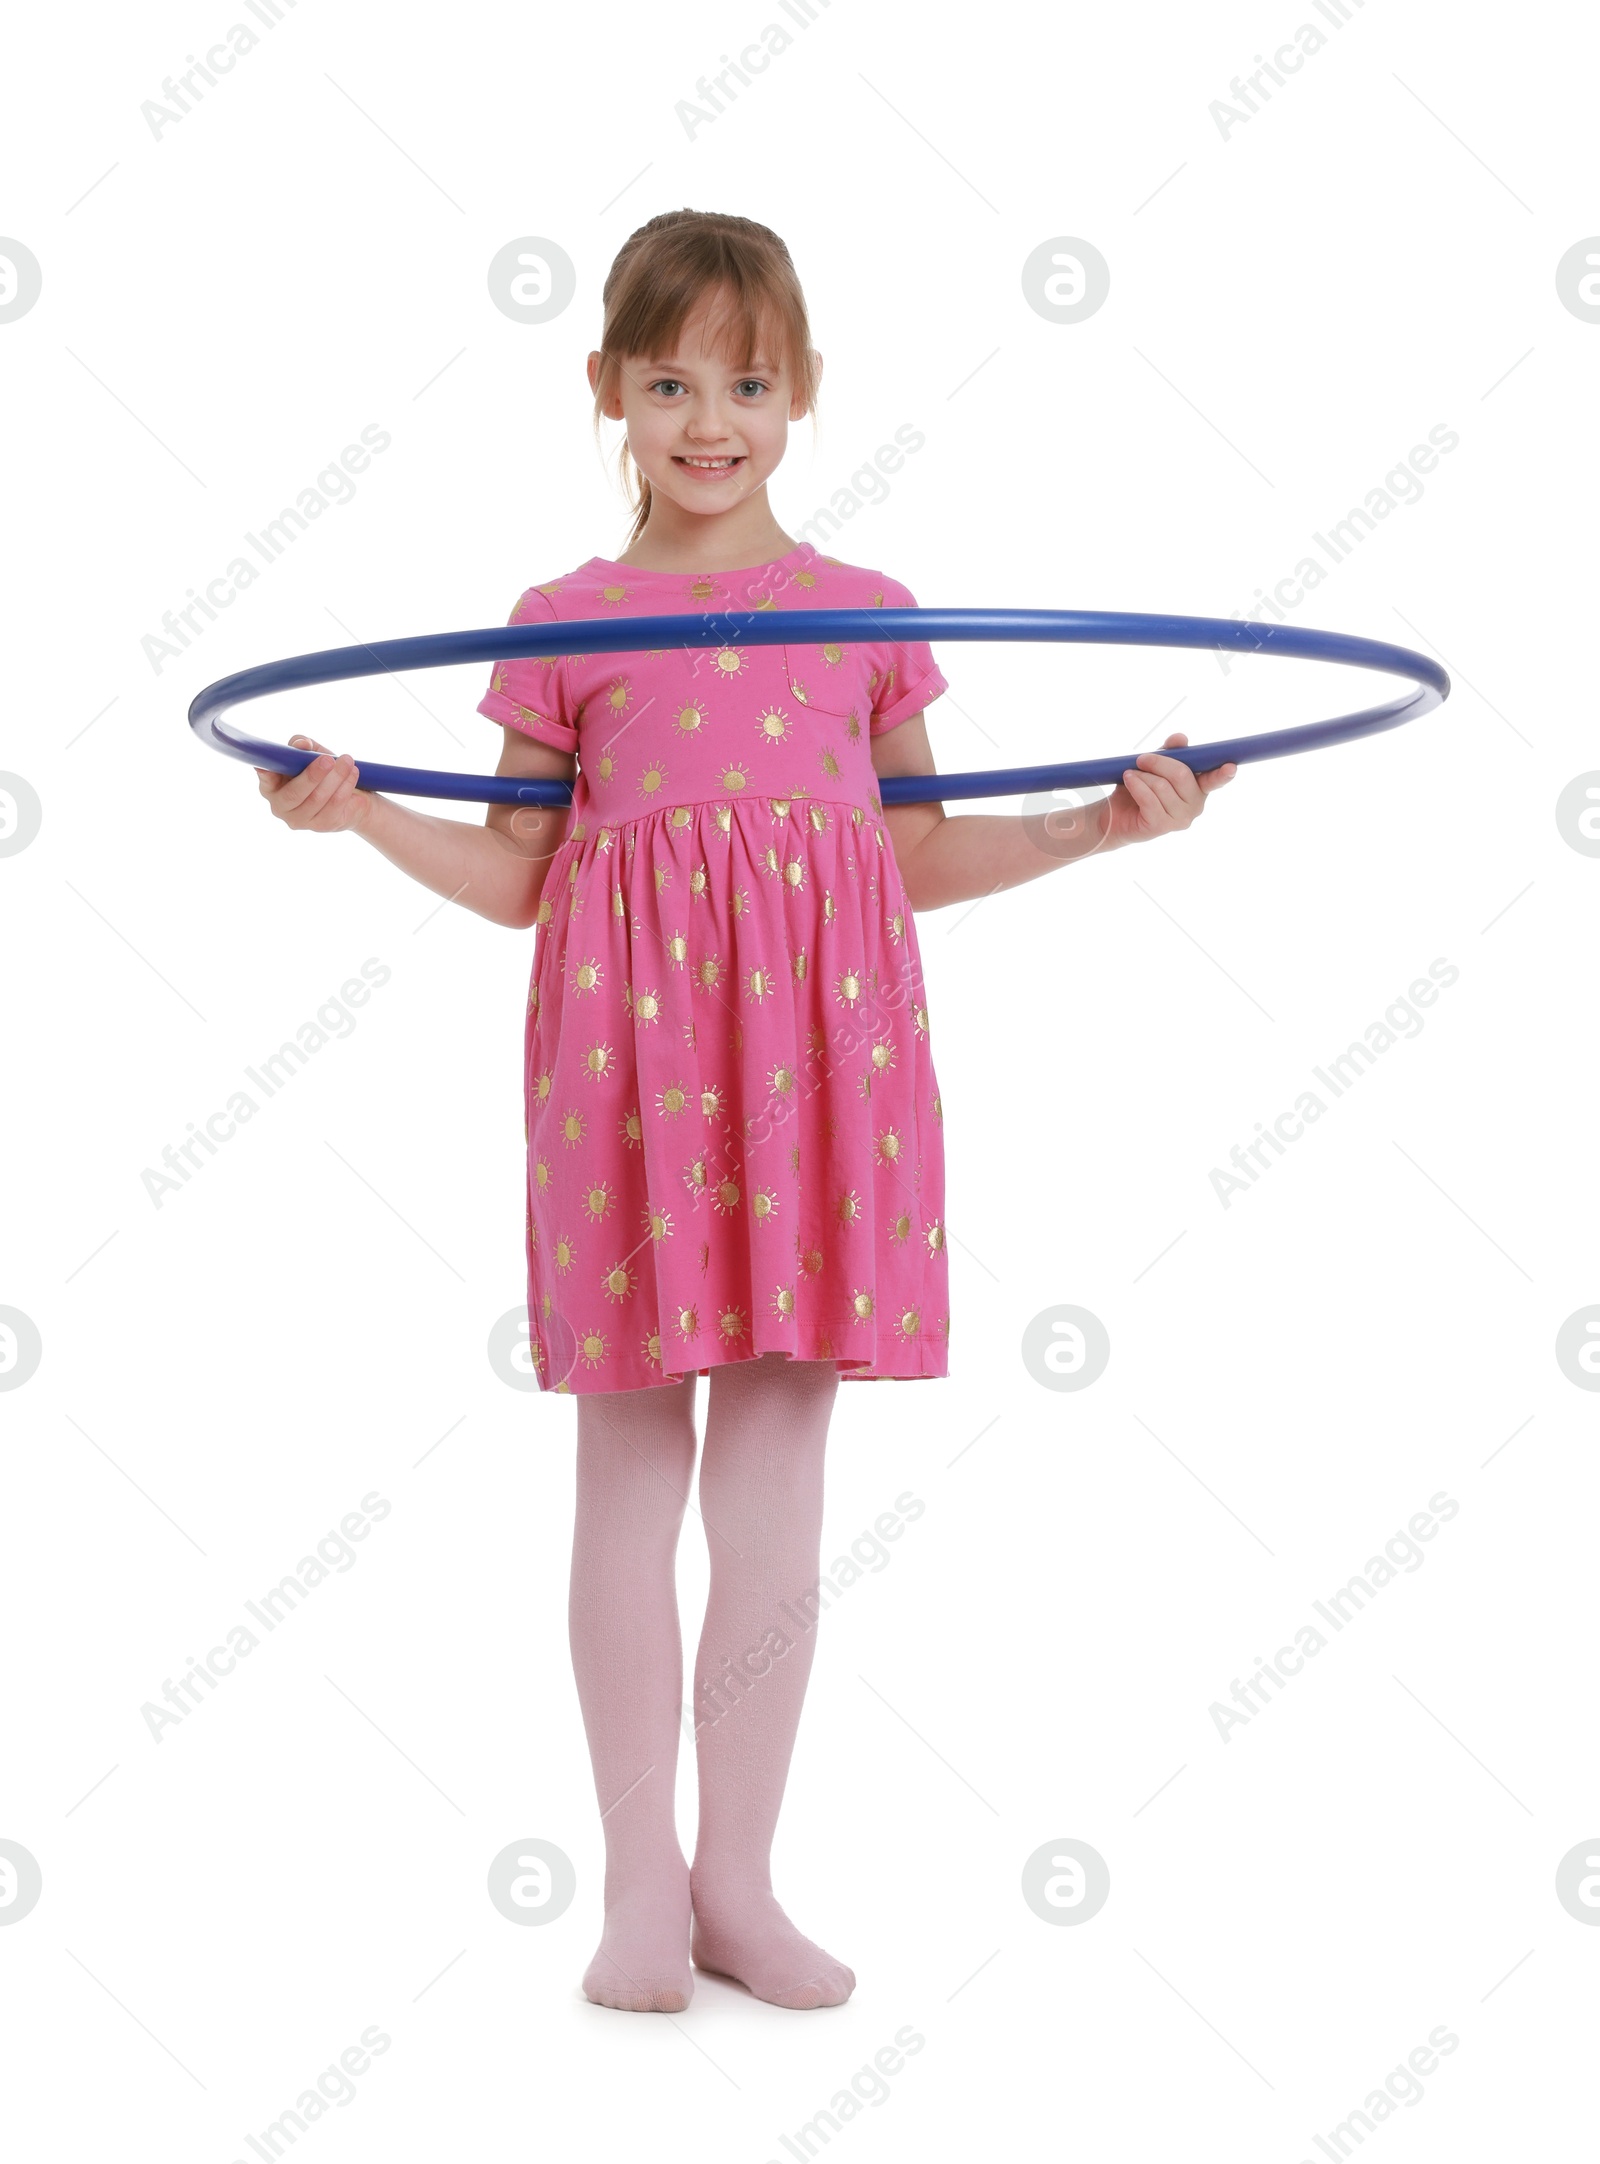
770,627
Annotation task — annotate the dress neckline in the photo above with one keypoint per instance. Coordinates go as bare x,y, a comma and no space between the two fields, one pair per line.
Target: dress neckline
802,551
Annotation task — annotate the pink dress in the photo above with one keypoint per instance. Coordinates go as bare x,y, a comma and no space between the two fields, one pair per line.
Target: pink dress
734,1129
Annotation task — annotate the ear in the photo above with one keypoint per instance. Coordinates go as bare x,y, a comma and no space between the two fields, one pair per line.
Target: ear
797,410
613,406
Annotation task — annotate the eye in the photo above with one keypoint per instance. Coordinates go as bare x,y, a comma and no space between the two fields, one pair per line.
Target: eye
756,380
665,379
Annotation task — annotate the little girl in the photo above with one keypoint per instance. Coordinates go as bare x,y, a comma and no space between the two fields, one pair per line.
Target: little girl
735,1156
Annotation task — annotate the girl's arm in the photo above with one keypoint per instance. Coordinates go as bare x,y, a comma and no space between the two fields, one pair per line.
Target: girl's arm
497,869
944,859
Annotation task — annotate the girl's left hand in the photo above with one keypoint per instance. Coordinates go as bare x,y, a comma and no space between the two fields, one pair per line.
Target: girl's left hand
1160,796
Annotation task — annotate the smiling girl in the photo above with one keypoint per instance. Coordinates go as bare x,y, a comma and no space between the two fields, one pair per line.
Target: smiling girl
735,1134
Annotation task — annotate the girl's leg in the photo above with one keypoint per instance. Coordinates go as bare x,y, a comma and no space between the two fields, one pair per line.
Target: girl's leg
635,1462
761,1499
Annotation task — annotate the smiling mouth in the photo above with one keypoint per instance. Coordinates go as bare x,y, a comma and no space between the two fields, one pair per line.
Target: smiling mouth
711,466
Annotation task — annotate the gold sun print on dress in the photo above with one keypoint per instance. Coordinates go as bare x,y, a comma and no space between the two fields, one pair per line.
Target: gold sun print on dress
599,1201
617,698
587,975
672,1100
594,1349
573,1128
652,781
599,1062
619,1282
773,725
686,1322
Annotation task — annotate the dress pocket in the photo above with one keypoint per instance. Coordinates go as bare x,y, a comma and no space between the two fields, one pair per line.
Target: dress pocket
827,678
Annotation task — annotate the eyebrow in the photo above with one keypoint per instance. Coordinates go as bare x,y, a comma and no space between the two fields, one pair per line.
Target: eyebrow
765,367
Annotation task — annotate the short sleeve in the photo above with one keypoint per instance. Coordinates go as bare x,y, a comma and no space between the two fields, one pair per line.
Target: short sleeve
528,693
909,677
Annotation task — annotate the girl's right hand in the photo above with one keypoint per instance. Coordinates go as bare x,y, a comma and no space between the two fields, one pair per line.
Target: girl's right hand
323,797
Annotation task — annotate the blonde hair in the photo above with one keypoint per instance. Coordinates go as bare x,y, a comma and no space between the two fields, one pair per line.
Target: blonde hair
661,273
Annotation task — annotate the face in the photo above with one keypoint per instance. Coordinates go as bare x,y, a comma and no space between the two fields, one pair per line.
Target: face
704,433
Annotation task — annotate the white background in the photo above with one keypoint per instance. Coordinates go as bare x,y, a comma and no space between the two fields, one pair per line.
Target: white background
1291,1378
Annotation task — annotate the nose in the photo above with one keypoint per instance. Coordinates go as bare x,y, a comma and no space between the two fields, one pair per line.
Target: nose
706,423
